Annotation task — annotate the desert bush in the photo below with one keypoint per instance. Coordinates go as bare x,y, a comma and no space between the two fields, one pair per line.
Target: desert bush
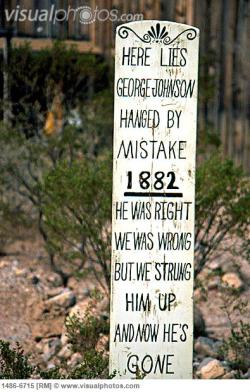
55,373
94,365
83,332
222,210
13,363
235,348
77,211
24,163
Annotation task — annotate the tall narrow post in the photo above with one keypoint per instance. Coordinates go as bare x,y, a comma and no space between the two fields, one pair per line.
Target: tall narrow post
156,66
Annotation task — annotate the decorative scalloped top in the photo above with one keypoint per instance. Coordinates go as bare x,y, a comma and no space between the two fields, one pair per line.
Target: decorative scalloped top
156,34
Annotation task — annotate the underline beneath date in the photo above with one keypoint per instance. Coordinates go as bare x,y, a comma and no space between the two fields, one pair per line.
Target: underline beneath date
153,194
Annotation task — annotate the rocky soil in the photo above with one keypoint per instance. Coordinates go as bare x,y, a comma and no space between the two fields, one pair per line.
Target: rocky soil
34,305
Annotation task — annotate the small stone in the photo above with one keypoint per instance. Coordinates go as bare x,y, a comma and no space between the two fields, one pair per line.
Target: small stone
4,264
65,352
80,308
227,266
51,366
207,347
210,368
232,280
102,343
64,337
46,325
65,300
75,360
214,265
196,365
51,347
49,318
213,283
54,292
40,347
229,375
55,279
15,263
97,309
20,272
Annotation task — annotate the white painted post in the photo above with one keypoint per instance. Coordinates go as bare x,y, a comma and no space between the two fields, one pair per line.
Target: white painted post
153,200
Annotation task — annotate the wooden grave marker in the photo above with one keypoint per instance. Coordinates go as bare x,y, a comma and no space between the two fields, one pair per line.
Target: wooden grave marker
156,67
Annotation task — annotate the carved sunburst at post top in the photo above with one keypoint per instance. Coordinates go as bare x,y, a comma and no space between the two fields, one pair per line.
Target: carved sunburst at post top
157,34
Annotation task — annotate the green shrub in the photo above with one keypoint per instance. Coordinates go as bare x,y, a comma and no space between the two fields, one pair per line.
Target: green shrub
84,331
13,363
222,210
51,374
235,348
24,163
83,334
94,365
77,210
